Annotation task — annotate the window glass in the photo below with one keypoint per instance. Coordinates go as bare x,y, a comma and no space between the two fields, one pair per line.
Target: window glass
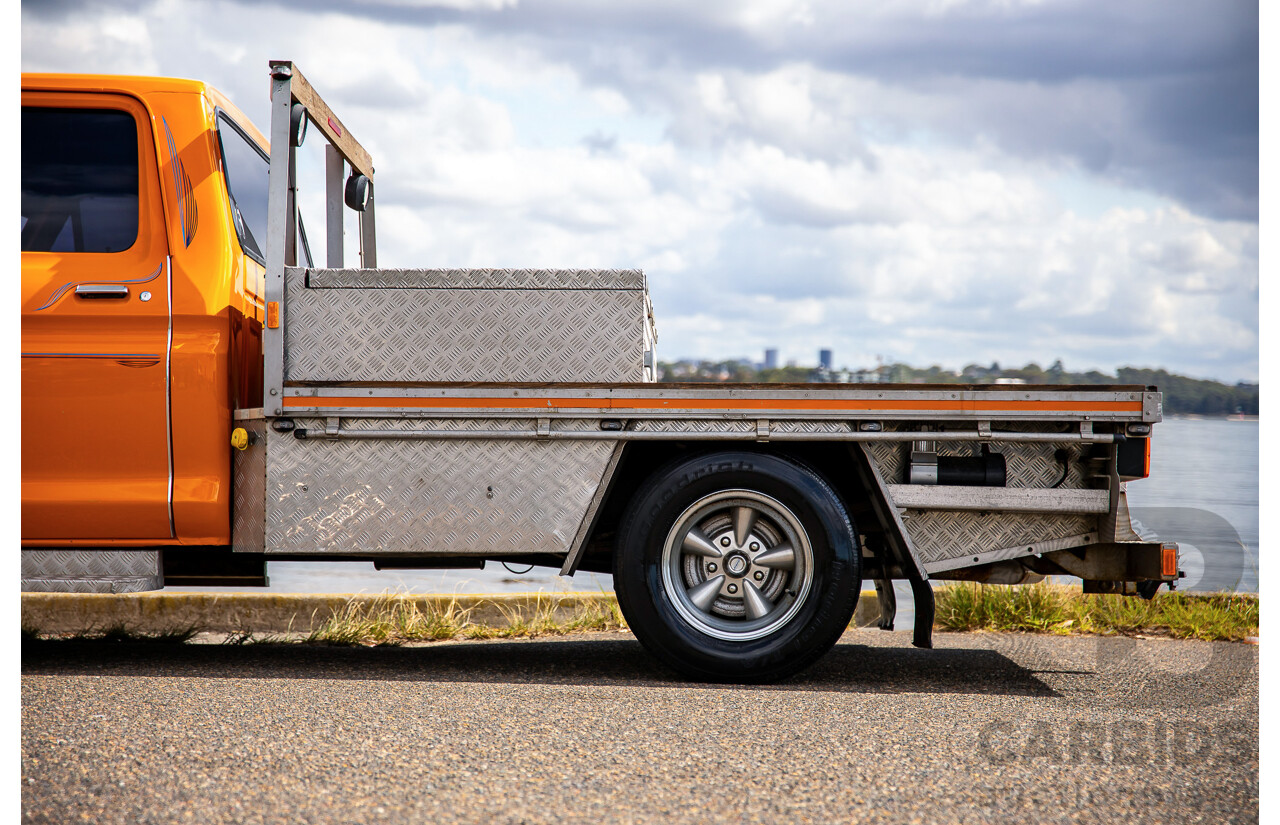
79,180
246,168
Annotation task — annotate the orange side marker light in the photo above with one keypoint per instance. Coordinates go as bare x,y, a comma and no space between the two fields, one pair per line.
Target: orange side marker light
273,314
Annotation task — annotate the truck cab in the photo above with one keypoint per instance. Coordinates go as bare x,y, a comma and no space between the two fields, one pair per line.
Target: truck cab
144,206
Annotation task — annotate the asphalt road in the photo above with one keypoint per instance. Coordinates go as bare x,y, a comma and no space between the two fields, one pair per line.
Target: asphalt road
984,728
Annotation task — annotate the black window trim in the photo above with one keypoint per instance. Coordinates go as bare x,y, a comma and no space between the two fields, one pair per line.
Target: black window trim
222,116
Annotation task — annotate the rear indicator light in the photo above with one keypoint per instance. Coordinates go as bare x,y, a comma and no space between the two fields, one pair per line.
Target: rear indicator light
1133,458
1169,560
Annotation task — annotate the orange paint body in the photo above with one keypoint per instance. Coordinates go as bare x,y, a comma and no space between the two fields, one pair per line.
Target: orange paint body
126,401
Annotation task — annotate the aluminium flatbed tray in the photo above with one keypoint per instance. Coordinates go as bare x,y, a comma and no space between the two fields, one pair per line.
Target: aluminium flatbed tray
778,401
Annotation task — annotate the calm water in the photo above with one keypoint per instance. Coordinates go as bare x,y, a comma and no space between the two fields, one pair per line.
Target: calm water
1203,493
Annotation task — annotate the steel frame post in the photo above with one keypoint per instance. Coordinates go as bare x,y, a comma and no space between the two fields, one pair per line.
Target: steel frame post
335,177
368,234
280,229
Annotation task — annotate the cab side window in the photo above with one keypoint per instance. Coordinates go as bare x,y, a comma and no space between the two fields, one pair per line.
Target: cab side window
79,180
246,167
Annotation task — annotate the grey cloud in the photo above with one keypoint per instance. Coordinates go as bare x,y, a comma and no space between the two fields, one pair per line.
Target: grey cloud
1184,75
61,9
783,207
1162,97
1158,95
598,143
973,311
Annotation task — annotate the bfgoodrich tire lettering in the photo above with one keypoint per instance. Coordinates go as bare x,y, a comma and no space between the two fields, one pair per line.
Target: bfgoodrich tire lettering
737,566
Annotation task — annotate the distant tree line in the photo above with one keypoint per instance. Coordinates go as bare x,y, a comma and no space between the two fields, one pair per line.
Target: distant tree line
1182,395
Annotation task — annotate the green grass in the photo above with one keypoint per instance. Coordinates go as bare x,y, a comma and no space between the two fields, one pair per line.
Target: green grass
1053,608
391,621
1036,608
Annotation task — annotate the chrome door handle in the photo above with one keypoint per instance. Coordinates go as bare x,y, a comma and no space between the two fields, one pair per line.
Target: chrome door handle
102,291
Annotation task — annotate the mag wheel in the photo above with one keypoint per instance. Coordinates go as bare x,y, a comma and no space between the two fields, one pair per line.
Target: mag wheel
737,566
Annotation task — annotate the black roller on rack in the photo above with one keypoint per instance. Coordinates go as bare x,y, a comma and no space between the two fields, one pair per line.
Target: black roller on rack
981,471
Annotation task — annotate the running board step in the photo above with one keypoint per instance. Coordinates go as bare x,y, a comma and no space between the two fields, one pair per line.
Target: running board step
87,570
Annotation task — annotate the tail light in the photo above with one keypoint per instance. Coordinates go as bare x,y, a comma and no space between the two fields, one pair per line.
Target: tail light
1133,458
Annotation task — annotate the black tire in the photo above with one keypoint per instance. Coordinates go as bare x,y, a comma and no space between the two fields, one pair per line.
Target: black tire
665,576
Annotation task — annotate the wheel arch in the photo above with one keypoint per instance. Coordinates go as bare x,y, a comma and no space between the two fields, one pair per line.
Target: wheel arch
843,466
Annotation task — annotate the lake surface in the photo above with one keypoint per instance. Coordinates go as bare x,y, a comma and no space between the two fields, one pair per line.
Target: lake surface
1202,493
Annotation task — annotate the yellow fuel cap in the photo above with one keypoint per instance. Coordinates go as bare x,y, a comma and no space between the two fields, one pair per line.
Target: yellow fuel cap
239,438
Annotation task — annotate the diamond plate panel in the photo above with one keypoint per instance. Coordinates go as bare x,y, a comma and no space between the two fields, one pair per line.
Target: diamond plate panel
1033,465
248,506
809,426
939,535
464,334
632,279
131,584
890,459
90,571
478,497
693,425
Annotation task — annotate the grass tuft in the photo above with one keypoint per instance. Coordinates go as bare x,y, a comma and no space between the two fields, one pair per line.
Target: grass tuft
388,620
1045,607
250,637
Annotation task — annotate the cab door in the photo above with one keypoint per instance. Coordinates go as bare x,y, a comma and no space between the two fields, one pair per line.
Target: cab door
96,322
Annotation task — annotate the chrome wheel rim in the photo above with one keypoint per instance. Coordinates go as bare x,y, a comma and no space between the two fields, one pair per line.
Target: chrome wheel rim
737,565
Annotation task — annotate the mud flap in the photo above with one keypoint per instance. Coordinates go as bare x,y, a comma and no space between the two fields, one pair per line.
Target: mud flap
922,593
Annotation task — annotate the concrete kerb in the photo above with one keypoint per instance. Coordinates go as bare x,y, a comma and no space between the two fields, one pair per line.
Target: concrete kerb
157,613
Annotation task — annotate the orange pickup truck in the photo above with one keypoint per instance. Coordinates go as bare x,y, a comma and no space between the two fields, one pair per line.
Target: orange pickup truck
199,398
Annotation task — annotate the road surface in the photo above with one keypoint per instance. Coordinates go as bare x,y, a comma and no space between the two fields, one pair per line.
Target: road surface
986,727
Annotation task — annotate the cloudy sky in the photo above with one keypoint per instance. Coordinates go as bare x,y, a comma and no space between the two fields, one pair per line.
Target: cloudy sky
929,181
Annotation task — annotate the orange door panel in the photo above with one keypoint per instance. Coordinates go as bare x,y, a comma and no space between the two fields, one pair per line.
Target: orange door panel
96,455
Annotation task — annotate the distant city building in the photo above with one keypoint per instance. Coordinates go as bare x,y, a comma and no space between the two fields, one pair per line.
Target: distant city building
824,358
771,359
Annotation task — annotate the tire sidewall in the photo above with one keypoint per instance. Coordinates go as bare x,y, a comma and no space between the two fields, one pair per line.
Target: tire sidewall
826,609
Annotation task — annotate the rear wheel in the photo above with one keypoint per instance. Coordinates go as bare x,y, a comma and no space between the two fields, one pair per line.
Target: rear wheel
737,566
